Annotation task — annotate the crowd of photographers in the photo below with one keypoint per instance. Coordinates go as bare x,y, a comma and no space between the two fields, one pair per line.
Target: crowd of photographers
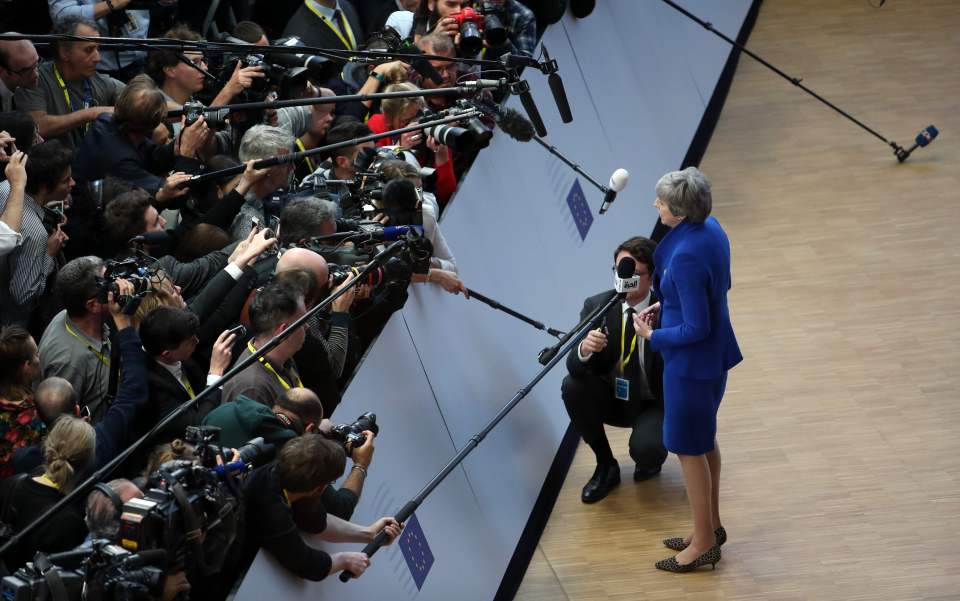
130,281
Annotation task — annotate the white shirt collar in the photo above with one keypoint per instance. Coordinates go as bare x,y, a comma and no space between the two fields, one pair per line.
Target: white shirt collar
326,12
176,370
639,306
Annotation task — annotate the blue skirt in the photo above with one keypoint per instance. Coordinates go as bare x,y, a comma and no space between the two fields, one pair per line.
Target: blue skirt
690,413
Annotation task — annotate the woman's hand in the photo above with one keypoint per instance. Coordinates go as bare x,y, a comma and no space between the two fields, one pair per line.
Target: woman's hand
650,314
643,329
441,152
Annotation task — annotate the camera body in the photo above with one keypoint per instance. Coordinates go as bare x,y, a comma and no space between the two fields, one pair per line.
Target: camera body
133,270
351,435
461,139
487,20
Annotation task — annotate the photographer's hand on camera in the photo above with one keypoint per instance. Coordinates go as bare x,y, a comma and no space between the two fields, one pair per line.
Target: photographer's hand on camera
441,152
193,139
344,302
448,26
411,139
241,79
363,455
349,561
172,187
120,319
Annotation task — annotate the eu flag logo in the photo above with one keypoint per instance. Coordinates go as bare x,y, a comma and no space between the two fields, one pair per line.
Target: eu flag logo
413,545
579,209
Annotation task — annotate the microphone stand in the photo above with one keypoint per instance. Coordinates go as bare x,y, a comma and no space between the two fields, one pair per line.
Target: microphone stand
296,156
101,473
465,89
548,354
575,166
898,150
495,305
407,510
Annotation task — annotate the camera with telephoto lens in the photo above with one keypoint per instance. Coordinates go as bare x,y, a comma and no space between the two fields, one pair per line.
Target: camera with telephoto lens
193,110
462,139
487,18
351,435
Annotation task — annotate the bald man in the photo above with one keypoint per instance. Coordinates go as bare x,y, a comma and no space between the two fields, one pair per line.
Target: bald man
324,352
18,69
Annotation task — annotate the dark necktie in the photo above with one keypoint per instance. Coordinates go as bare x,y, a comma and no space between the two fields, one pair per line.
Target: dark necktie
340,21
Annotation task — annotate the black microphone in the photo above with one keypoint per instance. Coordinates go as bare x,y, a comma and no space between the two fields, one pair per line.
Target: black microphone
148,557
151,238
618,181
626,280
556,87
522,89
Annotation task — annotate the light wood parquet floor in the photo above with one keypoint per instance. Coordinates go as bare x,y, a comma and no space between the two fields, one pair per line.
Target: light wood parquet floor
841,430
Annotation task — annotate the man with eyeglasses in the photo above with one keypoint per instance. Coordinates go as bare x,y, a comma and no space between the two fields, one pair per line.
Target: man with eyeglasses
616,379
113,20
70,93
18,69
440,44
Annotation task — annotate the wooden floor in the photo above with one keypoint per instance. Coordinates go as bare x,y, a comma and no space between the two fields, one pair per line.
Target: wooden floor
840,431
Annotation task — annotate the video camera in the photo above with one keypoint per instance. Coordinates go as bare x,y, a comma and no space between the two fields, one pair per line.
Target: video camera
135,270
99,572
487,18
192,510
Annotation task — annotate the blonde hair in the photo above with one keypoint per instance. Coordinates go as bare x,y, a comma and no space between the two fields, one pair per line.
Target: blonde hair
177,449
68,450
394,107
156,297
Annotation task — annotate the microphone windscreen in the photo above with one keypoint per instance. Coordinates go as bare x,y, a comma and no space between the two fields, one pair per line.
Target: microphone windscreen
927,135
619,179
626,268
515,125
155,237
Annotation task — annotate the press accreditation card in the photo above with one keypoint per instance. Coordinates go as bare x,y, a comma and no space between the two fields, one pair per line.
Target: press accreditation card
622,389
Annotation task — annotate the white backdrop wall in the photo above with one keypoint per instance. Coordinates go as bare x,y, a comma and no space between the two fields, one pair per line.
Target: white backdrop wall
638,75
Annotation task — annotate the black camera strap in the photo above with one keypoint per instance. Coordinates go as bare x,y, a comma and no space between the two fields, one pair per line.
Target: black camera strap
114,380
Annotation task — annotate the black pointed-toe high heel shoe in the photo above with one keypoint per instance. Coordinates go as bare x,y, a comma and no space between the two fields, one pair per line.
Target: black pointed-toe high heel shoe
712,556
678,544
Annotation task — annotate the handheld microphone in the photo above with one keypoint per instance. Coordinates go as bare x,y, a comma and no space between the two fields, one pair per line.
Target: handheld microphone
522,89
926,136
624,280
618,181
556,87
151,238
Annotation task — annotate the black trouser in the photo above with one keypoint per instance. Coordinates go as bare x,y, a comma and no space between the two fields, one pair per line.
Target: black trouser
591,403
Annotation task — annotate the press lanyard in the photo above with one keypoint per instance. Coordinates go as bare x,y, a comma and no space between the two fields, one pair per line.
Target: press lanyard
186,384
103,359
269,367
633,344
88,99
50,482
352,44
307,159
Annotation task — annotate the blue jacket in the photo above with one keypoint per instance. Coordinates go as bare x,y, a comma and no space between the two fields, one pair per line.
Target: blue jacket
691,280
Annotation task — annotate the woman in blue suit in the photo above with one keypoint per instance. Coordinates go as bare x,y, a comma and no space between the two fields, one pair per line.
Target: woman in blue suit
698,347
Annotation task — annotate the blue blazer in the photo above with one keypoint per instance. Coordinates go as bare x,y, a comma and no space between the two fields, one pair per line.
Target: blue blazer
691,280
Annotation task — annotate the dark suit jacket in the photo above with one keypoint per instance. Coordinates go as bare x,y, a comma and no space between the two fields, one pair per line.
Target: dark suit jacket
604,363
313,32
166,394
691,279
106,151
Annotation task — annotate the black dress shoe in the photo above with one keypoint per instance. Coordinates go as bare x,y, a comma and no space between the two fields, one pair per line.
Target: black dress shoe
605,477
645,473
